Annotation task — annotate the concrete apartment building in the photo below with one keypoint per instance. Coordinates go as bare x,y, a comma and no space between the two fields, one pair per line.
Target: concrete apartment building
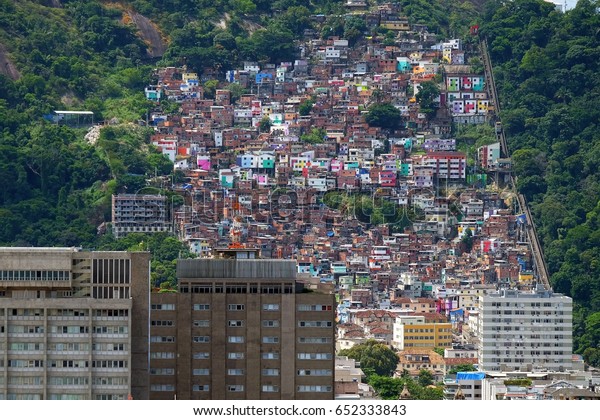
73,324
139,213
525,331
241,329
84,325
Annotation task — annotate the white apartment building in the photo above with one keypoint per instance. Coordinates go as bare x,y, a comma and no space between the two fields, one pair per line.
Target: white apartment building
525,331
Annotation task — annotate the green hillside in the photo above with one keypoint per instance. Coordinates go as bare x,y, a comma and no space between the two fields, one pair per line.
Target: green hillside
547,67
55,186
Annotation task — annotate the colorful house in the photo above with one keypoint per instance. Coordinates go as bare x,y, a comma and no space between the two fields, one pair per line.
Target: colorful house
203,162
227,177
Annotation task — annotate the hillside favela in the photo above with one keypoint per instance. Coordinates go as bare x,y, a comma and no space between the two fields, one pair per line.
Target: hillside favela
299,200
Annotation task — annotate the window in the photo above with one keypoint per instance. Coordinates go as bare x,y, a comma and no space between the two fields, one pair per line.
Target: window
270,372
270,340
163,371
202,289
314,340
235,339
235,307
270,356
66,397
270,388
314,307
108,381
162,387
201,323
270,323
162,339
314,356
110,329
235,372
67,380
201,388
235,323
25,346
314,388
26,363
162,355
234,355
270,307
201,339
163,307
235,388
314,372
116,364
162,323
201,355
236,289
201,307
319,324
201,372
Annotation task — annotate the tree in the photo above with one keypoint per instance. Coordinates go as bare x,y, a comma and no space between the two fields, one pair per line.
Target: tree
354,28
264,126
305,107
384,115
236,91
425,377
467,240
316,136
390,388
374,357
462,368
210,88
428,92
225,40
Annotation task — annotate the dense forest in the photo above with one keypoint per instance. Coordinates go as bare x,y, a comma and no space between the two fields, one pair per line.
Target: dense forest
547,68
55,186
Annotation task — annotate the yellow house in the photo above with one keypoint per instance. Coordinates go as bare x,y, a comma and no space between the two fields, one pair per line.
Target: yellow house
428,335
482,106
189,76
447,55
428,330
525,276
396,25
418,70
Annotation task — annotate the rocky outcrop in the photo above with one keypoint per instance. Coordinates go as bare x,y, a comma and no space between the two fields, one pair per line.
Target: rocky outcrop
150,34
7,67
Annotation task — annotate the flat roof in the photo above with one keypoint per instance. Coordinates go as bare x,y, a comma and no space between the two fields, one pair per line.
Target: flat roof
75,112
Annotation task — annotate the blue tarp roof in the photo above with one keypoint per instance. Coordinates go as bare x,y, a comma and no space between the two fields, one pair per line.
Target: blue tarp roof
470,376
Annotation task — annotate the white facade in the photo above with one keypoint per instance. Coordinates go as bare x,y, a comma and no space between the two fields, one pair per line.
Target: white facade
398,329
525,331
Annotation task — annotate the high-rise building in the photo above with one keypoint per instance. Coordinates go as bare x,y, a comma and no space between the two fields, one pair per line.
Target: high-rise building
525,331
241,329
139,213
73,324
85,325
